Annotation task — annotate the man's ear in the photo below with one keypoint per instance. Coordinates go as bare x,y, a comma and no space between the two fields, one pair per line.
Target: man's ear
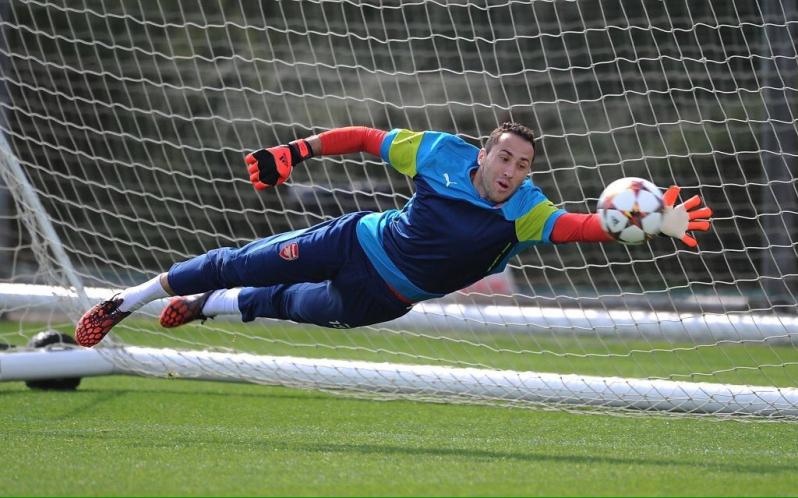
481,156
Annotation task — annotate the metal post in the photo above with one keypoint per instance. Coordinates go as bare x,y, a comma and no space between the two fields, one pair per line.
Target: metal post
6,210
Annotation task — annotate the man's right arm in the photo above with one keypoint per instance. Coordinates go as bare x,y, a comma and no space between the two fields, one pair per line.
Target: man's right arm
348,140
272,166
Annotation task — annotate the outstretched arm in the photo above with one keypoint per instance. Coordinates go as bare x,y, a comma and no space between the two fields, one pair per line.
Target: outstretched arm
272,166
577,227
350,140
676,221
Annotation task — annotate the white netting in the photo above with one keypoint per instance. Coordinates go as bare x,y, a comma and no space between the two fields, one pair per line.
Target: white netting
131,119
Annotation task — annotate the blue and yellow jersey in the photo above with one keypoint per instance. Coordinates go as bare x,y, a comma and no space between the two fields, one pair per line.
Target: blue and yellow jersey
446,236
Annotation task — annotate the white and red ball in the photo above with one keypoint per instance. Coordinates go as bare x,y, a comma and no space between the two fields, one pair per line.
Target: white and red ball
630,210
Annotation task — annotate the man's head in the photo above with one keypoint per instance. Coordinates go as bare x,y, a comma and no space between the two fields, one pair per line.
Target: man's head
504,162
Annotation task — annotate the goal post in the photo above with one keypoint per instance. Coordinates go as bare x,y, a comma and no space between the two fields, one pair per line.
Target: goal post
126,128
475,385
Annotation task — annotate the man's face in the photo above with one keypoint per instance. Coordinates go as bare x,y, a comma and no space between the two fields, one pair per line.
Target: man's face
502,170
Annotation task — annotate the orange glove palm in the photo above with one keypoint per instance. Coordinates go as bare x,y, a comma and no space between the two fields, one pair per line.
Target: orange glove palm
677,220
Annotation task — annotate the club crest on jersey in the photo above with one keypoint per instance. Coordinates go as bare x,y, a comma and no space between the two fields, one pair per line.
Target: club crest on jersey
290,252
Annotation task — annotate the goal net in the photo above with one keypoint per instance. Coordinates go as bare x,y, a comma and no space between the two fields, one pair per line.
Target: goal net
125,125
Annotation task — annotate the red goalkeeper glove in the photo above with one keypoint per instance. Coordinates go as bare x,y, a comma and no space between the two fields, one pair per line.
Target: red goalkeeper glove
676,221
272,166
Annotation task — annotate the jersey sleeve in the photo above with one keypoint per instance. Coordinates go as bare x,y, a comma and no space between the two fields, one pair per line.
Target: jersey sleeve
537,224
413,152
400,149
578,227
351,139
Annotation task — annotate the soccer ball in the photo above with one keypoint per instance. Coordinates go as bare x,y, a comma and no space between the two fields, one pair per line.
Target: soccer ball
630,210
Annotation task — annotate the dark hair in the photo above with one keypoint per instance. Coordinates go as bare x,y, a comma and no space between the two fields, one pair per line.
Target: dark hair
510,127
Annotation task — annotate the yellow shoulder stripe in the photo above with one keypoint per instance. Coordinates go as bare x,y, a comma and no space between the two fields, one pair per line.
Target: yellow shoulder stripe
530,226
403,151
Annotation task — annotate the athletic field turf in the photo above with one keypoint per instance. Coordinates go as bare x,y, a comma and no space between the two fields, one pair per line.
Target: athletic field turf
134,436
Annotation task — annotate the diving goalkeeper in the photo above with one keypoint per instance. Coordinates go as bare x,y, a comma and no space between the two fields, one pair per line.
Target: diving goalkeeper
472,211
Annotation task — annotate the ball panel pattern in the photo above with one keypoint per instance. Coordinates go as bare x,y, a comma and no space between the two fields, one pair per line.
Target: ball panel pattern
630,210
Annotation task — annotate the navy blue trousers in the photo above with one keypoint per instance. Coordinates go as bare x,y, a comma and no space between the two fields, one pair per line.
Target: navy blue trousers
319,275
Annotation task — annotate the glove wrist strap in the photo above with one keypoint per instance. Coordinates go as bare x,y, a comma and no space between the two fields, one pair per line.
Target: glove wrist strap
300,150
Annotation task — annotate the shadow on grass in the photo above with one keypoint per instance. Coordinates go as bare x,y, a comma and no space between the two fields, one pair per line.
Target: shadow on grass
490,455
268,392
209,441
86,400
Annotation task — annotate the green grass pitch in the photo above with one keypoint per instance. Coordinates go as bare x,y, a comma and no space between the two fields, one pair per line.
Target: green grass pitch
134,436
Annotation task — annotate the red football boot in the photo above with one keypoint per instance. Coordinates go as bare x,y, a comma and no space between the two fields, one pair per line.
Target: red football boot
184,309
98,321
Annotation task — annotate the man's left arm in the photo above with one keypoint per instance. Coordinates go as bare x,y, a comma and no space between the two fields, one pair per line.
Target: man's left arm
578,227
676,222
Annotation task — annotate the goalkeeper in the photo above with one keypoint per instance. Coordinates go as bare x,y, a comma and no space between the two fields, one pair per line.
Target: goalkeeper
472,211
